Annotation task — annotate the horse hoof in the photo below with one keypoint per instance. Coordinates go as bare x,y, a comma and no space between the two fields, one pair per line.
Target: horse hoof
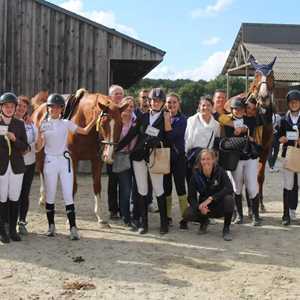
42,203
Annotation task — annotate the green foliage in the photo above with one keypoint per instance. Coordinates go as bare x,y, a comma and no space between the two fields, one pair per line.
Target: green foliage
190,91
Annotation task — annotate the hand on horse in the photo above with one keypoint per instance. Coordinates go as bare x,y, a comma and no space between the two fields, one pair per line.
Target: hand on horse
283,140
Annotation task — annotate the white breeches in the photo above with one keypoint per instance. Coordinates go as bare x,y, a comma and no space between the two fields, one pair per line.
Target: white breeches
246,172
54,167
140,169
288,179
10,185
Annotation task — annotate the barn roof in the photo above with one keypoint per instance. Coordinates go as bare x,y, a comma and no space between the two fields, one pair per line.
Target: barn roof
102,27
264,41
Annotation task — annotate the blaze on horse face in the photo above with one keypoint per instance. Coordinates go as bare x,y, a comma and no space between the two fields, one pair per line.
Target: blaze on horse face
263,84
110,127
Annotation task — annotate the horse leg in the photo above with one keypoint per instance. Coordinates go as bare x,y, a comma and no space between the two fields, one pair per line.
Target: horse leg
260,180
100,208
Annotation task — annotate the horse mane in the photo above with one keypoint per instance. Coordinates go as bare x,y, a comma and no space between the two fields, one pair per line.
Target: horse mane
39,99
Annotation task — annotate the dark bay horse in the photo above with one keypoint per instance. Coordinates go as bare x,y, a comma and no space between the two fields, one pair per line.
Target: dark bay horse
91,146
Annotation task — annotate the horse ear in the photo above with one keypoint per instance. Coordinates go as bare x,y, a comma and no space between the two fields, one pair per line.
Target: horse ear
252,61
272,62
123,106
103,102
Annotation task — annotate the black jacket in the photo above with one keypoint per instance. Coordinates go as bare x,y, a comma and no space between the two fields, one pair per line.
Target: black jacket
217,186
286,124
145,143
17,148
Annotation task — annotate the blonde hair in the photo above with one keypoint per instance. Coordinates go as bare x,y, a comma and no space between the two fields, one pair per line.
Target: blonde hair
211,152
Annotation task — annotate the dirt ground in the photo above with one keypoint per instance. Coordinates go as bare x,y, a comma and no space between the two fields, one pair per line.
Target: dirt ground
260,263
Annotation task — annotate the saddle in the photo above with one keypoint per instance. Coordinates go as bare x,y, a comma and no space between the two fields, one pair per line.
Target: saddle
72,102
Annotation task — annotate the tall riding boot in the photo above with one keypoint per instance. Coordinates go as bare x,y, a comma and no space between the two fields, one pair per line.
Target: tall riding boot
13,208
143,208
169,209
50,211
4,238
162,205
226,229
255,210
239,206
286,214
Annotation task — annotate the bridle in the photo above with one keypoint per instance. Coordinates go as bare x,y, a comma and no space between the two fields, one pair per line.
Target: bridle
104,142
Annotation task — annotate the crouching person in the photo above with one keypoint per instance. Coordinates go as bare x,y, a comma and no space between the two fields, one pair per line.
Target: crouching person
215,191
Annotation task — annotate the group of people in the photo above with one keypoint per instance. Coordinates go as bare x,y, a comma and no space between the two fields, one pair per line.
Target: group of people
205,186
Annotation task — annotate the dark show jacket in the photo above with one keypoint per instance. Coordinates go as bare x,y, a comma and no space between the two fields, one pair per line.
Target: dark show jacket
17,148
144,142
286,124
217,186
175,137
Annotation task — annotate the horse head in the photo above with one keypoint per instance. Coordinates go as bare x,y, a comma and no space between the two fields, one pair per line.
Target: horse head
109,126
263,84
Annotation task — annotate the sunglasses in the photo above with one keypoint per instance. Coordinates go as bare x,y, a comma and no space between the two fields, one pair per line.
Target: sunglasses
145,98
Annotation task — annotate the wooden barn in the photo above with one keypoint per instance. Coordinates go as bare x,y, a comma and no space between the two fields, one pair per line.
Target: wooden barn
264,42
45,47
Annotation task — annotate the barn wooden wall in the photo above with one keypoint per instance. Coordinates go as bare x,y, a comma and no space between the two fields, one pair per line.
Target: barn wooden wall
44,48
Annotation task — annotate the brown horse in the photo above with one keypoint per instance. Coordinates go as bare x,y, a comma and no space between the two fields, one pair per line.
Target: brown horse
261,90
91,146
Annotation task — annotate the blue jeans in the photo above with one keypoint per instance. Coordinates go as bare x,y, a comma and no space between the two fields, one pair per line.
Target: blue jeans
125,187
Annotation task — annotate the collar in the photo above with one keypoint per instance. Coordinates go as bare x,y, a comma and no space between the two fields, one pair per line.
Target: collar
203,121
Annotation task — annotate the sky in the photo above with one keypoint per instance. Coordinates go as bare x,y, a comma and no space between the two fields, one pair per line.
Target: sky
196,34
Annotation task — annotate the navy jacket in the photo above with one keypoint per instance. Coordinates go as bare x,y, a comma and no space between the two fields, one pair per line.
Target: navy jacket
175,137
217,186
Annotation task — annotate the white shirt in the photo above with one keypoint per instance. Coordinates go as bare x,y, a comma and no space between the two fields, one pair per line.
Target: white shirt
153,116
32,135
56,135
198,132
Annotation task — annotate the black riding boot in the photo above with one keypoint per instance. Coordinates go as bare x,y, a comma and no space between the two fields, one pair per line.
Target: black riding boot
226,229
164,223
143,208
239,206
286,214
13,208
255,210
4,238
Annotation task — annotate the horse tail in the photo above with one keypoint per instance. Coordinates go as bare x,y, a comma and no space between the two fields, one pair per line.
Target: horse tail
80,93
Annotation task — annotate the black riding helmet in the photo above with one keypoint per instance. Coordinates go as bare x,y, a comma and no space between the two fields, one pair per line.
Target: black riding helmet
56,99
8,98
293,95
157,93
237,102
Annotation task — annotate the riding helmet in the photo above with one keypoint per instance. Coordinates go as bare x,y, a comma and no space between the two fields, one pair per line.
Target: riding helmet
56,99
8,98
293,95
237,102
157,93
